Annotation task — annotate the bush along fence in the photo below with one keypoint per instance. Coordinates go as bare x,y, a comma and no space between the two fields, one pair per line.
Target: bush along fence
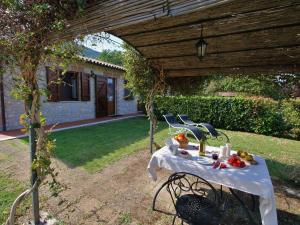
258,115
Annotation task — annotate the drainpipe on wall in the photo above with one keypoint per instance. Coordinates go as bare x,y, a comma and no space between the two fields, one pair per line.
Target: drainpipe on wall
3,119
93,75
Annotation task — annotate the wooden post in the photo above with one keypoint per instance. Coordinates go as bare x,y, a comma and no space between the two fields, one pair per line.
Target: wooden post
151,133
35,192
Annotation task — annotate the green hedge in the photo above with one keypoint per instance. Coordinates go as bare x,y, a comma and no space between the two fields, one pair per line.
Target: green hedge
291,112
258,115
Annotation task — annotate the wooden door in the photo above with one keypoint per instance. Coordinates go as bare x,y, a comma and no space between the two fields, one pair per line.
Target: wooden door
110,96
101,96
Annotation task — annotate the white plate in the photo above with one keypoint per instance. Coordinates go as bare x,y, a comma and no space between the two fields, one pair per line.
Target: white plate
238,168
203,160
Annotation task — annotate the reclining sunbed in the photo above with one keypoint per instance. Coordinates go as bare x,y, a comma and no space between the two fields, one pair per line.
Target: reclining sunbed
181,128
208,127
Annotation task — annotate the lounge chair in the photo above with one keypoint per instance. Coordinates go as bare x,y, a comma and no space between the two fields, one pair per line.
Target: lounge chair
181,128
208,127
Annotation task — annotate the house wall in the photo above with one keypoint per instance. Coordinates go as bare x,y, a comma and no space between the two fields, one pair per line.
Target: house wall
66,111
124,106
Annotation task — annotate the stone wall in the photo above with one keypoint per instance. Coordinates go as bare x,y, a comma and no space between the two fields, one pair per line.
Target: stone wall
124,106
67,111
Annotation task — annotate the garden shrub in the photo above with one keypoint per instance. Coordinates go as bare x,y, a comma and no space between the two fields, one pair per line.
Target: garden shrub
258,115
291,112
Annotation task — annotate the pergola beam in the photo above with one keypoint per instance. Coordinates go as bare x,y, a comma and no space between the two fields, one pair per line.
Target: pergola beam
110,14
275,69
235,24
225,10
243,36
264,39
272,57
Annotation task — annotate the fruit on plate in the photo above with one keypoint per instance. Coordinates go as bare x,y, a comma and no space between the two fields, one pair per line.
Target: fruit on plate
249,158
216,164
246,156
181,138
235,161
222,166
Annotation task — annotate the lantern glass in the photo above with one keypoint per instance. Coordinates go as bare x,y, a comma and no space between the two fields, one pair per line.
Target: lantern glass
201,48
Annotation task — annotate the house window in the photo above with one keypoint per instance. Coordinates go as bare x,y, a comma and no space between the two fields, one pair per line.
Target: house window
69,87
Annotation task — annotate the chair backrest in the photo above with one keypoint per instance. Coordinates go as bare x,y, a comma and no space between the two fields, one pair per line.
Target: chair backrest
185,119
170,118
182,183
186,183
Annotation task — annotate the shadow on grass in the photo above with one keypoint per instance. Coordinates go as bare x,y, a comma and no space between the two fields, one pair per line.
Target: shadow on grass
96,146
284,172
287,218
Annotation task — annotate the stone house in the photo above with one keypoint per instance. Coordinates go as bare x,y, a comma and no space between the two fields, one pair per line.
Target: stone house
90,89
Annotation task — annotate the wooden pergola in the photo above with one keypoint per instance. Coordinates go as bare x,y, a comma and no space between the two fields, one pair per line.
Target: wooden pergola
243,36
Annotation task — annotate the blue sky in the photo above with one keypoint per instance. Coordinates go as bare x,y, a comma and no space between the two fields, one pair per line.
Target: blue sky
114,44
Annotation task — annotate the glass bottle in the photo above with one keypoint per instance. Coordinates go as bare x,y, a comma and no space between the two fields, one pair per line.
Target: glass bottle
202,148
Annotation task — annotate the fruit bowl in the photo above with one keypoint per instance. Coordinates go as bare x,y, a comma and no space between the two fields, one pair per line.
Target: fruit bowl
249,159
182,140
183,144
236,161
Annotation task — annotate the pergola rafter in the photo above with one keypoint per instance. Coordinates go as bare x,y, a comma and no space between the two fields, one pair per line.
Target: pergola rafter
243,36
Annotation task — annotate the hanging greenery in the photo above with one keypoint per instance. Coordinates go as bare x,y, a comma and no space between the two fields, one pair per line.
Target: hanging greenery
144,78
24,30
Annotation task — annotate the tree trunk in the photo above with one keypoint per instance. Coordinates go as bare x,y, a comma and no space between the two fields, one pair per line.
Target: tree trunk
34,176
32,107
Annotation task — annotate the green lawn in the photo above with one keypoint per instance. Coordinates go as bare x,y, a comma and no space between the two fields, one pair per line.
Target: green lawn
95,147
10,189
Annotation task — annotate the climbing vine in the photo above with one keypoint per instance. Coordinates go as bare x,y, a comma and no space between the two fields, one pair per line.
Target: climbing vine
24,30
145,78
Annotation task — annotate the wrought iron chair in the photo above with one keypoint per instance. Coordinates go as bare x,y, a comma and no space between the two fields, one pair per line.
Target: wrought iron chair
181,128
195,200
213,133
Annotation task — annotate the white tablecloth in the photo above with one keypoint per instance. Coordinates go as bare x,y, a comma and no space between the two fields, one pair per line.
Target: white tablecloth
254,179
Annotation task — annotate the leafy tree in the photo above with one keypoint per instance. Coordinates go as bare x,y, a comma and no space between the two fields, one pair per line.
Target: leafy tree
145,80
25,28
112,56
246,84
274,86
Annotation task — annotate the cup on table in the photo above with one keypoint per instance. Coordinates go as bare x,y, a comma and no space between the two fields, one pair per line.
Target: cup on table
215,156
174,149
222,152
228,150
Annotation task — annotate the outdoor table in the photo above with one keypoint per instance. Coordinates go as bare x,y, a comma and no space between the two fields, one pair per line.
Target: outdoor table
253,179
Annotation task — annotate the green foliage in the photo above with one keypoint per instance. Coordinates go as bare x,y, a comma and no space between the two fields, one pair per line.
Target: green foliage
112,56
291,111
26,28
140,75
258,115
10,189
260,85
125,218
188,85
273,86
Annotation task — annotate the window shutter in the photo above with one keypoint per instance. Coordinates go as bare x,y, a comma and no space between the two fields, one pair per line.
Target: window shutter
85,87
53,87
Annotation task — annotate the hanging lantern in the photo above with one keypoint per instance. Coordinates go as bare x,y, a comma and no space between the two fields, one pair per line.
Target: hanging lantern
201,46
